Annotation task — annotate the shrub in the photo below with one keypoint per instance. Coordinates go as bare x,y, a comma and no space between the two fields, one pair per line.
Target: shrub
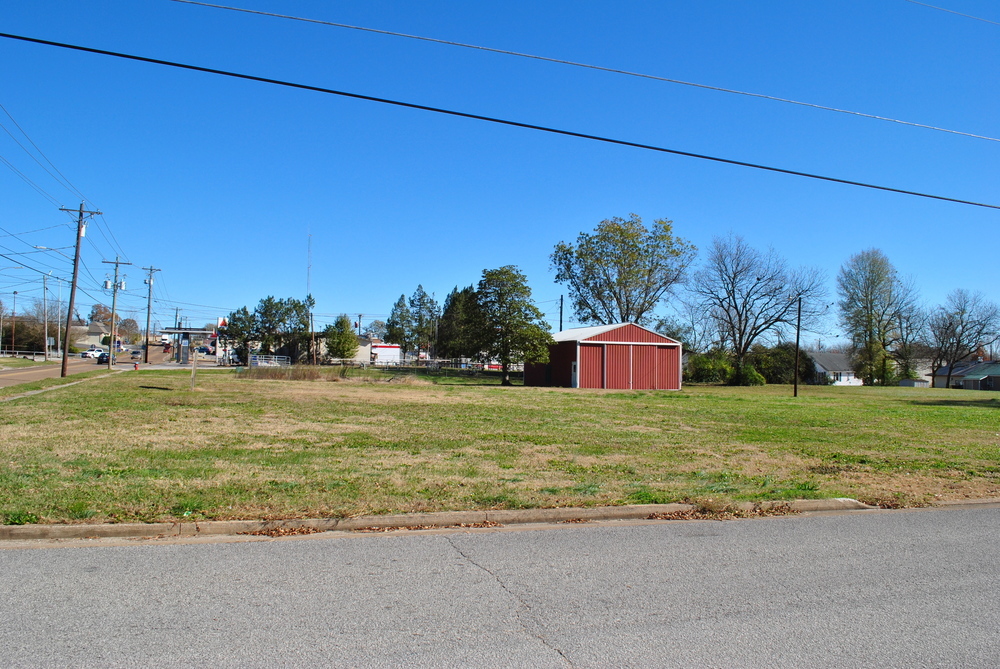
710,367
747,376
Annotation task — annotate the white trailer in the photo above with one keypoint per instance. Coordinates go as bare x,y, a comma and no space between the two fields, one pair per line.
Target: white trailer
385,354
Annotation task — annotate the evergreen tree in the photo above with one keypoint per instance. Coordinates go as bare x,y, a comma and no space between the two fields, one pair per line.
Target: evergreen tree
399,327
341,342
424,316
459,325
512,328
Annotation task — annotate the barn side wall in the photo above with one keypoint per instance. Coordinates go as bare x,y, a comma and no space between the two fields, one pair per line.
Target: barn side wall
561,357
591,366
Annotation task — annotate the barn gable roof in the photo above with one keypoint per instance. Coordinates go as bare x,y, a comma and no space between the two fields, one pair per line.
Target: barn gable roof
587,333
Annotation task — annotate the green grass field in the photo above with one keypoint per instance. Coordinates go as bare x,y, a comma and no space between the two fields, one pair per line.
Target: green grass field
21,363
142,446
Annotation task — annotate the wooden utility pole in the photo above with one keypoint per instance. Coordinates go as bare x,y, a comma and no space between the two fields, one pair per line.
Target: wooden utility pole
45,313
149,310
81,230
114,304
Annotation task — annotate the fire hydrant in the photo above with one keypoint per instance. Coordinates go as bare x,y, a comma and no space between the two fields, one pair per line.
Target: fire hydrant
137,367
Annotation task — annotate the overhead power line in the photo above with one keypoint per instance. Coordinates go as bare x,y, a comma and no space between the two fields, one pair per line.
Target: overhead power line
41,191
602,68
61,179
952,11
500,121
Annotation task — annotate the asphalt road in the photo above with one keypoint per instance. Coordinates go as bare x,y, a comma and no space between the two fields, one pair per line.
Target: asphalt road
13,377
876,589
18,375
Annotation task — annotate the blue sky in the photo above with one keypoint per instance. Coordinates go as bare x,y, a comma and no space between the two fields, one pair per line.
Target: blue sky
220,182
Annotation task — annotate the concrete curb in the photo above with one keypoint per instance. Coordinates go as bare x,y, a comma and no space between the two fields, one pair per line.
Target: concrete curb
409,520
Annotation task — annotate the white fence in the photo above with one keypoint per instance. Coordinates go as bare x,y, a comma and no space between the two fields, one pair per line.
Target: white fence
270,361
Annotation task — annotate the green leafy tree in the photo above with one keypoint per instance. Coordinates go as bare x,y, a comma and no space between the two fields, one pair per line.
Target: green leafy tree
512,329
424,319
710,367
459,325
777,363
621,272
283,326
399,327
341,342
128,330
242,330
376,330
101,314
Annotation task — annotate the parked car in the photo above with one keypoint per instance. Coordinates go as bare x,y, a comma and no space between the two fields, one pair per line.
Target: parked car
205,350
92,353
103,359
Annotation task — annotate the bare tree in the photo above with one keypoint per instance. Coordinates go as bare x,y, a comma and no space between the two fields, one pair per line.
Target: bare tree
877,310
751,294
689,323
964,324
911,339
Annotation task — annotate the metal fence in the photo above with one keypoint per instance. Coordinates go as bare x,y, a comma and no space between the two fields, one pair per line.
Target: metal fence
270,361
24,354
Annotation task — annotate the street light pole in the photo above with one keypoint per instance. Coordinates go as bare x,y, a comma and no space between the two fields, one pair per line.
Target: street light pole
798,330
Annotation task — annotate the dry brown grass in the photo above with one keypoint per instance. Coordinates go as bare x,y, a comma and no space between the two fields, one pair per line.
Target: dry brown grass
144,447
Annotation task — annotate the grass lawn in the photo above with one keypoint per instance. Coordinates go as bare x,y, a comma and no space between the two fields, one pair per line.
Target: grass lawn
142,446
21,363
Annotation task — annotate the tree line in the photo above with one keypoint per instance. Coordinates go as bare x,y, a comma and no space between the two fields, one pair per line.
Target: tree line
736,312
739,309
493,320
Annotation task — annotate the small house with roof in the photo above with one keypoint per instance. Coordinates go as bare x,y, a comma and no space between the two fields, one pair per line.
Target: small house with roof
971,375
836,367
622,355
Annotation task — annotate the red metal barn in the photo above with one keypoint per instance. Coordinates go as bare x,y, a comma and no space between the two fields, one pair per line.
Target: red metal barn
623,355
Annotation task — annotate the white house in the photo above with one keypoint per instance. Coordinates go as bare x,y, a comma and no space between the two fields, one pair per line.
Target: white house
836,367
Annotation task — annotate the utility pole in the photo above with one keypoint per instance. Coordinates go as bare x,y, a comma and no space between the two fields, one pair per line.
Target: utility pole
114,304
45,314
59,315
13,323
81,230
177,337
149,310
560,312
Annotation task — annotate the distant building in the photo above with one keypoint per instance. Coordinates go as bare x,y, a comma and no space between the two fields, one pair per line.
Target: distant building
94,335
971,375
836,367
621,355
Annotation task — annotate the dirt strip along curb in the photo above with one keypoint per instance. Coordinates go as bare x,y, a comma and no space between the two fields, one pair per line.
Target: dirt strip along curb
409,520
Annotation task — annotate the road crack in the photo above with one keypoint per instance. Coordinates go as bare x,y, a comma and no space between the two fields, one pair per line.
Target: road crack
521,602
